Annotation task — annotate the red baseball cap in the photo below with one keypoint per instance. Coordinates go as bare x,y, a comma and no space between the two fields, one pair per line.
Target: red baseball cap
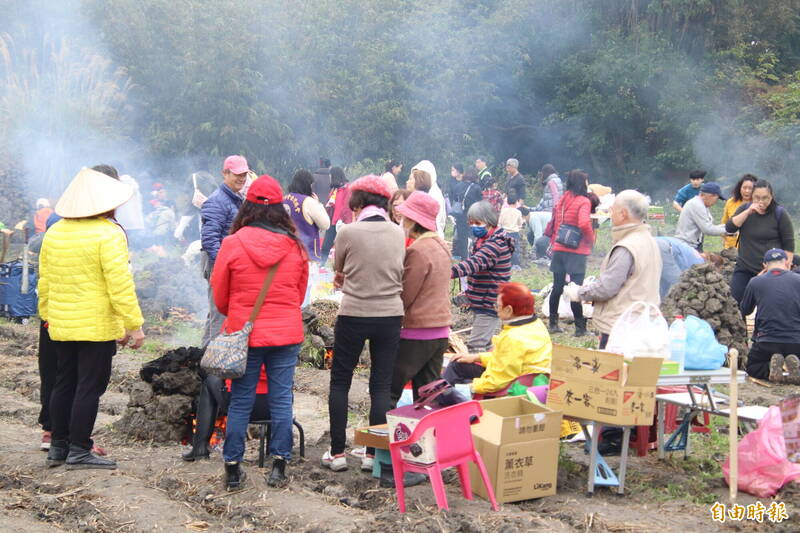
236,164
265,191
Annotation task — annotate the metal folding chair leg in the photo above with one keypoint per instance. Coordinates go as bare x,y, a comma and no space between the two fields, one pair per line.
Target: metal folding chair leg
265,436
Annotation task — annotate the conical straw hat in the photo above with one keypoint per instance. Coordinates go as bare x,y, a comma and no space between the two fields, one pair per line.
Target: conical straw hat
92,193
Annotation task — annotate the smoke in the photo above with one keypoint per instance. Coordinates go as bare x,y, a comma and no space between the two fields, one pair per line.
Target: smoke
362,81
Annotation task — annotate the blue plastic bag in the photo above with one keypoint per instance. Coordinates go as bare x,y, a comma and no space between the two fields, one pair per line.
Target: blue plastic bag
703,352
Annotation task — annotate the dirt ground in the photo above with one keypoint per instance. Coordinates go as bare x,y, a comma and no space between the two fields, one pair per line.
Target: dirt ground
153,490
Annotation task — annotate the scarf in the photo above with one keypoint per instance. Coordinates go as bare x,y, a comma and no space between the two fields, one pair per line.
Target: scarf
371,211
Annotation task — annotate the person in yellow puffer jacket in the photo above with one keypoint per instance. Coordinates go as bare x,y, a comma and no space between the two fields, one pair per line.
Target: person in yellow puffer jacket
522,347
88,300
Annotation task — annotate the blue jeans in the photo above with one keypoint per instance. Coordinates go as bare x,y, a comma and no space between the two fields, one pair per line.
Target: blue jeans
280,362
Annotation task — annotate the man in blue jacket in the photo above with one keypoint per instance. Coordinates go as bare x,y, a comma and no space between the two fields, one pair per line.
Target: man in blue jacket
217,216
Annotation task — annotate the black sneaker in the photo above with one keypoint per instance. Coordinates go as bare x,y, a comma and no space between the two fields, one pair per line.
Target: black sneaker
776,369
234,475
792,363
57,454
278,475
195,454
83,459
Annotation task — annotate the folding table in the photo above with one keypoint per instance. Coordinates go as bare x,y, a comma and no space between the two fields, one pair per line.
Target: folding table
600,473
707,401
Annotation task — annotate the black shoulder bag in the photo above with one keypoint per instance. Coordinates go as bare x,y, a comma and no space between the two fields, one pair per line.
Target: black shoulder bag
568,235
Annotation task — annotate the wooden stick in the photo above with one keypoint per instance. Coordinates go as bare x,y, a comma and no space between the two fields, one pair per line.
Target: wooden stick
733,428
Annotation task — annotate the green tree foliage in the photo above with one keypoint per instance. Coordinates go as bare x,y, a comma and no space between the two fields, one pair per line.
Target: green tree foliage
632,90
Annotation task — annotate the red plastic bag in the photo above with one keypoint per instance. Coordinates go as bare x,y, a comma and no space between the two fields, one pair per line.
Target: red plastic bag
763,466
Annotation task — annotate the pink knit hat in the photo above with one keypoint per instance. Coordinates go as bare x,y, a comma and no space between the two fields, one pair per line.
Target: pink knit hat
372,184
422,208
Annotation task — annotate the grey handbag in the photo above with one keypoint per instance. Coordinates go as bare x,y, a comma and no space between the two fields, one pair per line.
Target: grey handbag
226,354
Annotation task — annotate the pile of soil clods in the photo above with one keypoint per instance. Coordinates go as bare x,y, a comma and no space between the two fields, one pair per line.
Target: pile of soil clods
160,405
319,319
703,291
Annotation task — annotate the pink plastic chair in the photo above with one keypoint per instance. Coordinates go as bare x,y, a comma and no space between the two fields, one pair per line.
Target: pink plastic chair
525,379
454,447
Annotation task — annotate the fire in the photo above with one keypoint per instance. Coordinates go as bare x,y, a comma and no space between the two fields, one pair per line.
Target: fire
217,434
328,358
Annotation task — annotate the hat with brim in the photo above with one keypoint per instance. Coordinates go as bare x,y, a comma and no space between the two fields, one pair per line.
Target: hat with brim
422,208
599,190
92,193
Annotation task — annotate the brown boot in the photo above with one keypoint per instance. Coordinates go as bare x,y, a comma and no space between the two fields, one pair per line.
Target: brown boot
792,363
776,368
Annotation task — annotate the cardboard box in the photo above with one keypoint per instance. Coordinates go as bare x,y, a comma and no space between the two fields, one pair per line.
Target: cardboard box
518,442
603,386
402,422
363,437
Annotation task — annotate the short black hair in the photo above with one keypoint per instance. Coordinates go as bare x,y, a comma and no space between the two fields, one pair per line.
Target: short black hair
419,230
360,199
697,175
512,197
548,169
391,164
108,170
302,182
459,167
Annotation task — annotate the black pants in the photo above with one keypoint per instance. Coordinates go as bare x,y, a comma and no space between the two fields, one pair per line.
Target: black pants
761,353
739,282
327,243
559,280
350,333
213,400
84,369
48,370
461,237
419,361
457,373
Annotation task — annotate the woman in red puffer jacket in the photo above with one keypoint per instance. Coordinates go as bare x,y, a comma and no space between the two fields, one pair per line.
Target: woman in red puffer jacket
263,237
573,208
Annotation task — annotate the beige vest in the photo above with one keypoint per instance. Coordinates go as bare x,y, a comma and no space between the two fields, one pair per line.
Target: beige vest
644,282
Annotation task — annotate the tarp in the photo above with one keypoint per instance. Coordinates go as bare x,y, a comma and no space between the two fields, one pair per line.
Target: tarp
13,303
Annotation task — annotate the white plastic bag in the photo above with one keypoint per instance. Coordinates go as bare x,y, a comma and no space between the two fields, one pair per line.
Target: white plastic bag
640,331
564,309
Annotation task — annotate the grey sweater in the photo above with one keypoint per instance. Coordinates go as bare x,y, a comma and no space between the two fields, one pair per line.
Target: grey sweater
695,222
370,253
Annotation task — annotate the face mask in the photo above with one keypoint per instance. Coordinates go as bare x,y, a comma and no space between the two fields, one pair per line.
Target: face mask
479,231
198,199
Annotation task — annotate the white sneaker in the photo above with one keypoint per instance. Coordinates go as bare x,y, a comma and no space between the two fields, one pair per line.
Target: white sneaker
337,463
366,463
